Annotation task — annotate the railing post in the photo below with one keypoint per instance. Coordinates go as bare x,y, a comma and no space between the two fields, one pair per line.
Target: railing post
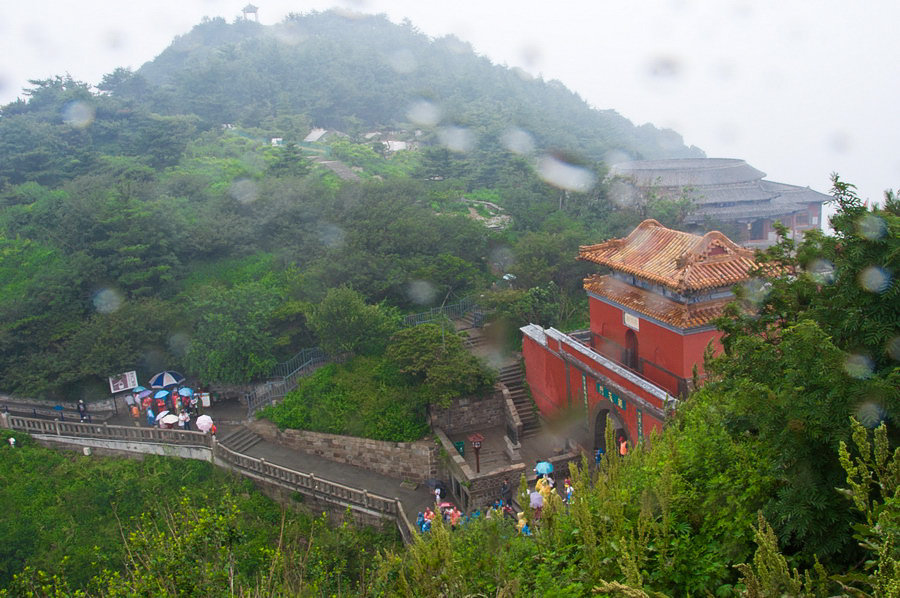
4,417
56,425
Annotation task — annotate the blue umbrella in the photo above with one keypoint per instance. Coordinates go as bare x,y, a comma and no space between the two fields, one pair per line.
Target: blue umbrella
138,389
162,394
543,468
186,392
166,379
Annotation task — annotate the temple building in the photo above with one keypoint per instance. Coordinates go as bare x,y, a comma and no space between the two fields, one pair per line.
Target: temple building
651,320
727,194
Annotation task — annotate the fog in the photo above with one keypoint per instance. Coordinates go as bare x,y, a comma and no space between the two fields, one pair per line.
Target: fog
798,89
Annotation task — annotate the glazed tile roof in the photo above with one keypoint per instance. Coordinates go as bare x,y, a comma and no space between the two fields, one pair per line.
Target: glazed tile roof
653,305
675,259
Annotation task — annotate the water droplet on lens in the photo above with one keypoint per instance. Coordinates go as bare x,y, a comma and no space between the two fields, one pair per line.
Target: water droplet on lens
107,301
78,114
858,366
244,191
874,279
564,175
421,292
518,141
456,139
871,227
424,113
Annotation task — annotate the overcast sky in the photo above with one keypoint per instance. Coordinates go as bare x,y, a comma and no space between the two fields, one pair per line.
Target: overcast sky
797,88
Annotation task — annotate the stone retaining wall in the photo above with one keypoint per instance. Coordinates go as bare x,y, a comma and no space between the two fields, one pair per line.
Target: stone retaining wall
416,461
468,413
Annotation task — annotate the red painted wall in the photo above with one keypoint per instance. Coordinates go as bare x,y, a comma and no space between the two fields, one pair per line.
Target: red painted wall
545,374
672,351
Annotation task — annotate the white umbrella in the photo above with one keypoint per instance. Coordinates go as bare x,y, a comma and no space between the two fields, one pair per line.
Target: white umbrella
204,423
170,419
161,415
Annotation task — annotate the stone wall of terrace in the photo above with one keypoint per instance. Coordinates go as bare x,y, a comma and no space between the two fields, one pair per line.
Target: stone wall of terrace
416,461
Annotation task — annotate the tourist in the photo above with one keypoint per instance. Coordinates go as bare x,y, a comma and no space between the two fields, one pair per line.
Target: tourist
569,490
420,521
522,524
455,514
506,492
151,417
184,420
623,446
82,410
537,503
12,442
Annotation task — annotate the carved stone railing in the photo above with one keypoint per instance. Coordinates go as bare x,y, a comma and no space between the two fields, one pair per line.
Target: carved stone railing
308,484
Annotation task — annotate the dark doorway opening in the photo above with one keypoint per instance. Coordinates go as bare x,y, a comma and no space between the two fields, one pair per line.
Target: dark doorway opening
631,350
600,428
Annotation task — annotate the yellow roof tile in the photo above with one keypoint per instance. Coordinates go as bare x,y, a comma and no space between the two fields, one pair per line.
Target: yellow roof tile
678,260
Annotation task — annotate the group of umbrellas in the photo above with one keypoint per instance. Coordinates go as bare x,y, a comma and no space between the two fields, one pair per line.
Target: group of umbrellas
163,386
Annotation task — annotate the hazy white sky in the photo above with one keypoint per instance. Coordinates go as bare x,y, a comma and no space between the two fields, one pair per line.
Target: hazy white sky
797,88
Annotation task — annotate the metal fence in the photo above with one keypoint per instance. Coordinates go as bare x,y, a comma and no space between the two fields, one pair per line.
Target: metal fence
451,312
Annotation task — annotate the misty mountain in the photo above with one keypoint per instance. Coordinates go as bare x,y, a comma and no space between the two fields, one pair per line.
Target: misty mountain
355,73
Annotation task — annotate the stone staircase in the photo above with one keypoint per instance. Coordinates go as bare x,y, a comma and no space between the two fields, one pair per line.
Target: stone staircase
511,376
241,439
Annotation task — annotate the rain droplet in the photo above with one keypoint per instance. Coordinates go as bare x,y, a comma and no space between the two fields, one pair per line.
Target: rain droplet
501,259
871,227
518,141
822,271
402,61
244,191
331,235
870,414
179,343
874,279
893,348
421,292
424,113
564,175
756,291
858,366
839,142
530,55
664,67
78,114
106,301
456,139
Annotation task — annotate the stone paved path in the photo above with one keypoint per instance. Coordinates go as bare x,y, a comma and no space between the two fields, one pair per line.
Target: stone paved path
229,415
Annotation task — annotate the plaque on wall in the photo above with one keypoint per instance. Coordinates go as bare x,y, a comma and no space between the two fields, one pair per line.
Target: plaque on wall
632,322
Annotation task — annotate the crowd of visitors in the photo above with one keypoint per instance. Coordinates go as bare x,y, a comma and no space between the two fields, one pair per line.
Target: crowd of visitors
502,507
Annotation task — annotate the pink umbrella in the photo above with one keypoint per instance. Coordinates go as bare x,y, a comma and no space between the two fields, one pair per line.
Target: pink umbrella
204,423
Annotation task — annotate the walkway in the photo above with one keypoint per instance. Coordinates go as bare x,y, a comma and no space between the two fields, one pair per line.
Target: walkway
230,415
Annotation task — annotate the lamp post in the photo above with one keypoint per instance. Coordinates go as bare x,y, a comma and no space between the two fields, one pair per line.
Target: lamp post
476,439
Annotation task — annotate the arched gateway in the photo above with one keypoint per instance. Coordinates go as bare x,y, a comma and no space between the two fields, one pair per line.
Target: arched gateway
652,317
606,415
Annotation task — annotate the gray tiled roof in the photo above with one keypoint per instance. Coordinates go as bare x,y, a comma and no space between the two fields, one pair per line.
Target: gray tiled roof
722,188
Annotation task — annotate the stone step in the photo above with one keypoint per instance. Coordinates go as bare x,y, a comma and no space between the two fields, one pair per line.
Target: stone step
241,440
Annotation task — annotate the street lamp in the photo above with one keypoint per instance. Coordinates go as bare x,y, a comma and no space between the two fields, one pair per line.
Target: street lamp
476,439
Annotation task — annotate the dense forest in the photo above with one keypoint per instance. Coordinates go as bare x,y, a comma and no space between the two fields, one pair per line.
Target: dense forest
151,222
